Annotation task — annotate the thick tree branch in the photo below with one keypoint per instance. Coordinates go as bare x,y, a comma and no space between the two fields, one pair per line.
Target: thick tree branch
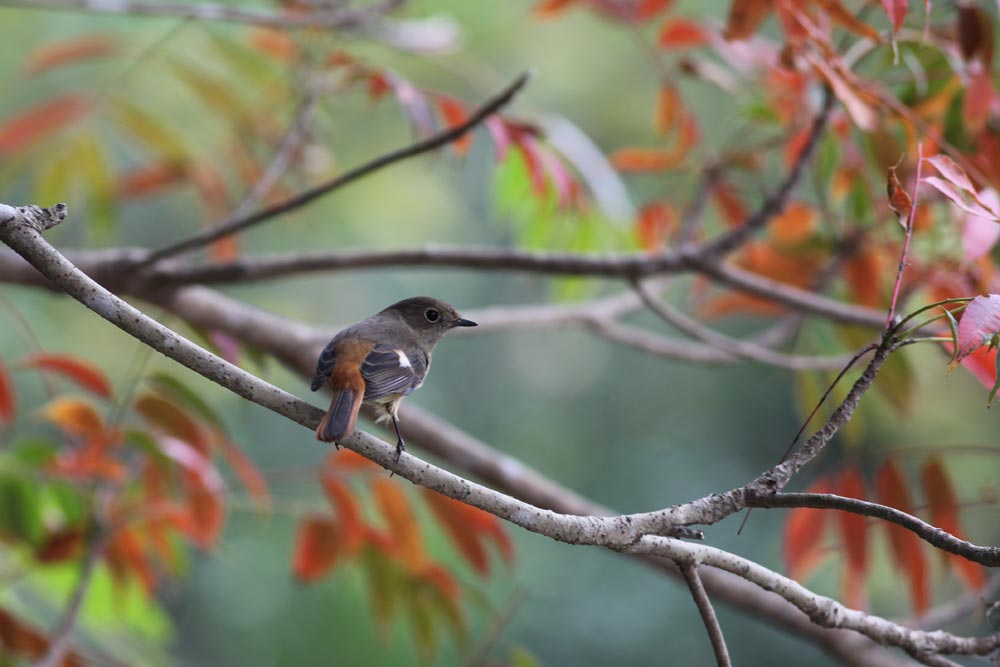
988,556
613,532
240,223
334,19
708,617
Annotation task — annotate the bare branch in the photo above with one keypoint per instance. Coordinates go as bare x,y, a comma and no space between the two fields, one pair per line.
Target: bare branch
239,223
988,556
708,617
318,18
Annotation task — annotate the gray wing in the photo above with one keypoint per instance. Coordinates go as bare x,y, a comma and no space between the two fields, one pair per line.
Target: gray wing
324,366
389,371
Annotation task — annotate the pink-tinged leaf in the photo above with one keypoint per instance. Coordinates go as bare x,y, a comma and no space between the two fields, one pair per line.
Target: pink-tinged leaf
40,121
907,548
944,508
954,194
980,322
559,177
861,113
804,534
896,9
500,136
81,372
951,172
191,460
229,347
415,106
681,34
534,161
70,51
7,401
316,548
648,9
980,234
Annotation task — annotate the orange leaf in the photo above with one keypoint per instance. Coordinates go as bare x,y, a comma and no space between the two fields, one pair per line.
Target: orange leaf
7,401
731,205
864,272
907,548
745,16
40,121
944,508
469,527
70,51
656,221
248,473
667,105
352,524
173,420
549,8
403,528
454,115
316,548
681,34
378,86
74,416
804,533
644,159
206,513
275,43
125,556
795,224
81,372
839,14
899,198
347,461
647,9
152,179
854,537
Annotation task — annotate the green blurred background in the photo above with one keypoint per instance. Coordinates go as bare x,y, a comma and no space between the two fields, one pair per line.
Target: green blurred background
629,431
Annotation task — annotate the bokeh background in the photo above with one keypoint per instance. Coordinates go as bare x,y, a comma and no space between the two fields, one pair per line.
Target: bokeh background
628,430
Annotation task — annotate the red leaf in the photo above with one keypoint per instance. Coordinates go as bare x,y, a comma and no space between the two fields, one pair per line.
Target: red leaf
896,9
731,205
804,533
41,120
70,51
125,557
206,513
980,322
745,16
395,509
536,166
84,374
975,33
979,97
647,9
469,528
681,34
20,639
907,548
500,136
316,548
854,537
944,514
839,14
7,400
667,106
454,114
60,546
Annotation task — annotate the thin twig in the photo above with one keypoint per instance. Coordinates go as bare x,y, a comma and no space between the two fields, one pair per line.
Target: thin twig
239,223
988,556
708,617
906,243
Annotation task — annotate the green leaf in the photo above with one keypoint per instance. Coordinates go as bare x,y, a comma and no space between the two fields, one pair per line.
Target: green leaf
20,515
895,382
158,137
522,657
99,184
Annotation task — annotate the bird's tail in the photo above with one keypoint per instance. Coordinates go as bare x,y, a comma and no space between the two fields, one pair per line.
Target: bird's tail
338,423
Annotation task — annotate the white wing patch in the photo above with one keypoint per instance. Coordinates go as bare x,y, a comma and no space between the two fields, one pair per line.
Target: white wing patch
404,361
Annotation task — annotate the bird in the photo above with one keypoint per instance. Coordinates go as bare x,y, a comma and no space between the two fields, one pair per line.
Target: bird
379,361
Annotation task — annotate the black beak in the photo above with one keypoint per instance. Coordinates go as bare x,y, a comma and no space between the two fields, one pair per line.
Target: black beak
462,322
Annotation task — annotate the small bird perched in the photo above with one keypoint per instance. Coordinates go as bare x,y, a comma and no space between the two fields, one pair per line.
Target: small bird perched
379,361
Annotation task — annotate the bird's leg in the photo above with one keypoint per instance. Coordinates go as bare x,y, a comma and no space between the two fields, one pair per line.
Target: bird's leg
400,446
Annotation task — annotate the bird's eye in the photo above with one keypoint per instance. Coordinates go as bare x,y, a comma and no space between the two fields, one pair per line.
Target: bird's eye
432,315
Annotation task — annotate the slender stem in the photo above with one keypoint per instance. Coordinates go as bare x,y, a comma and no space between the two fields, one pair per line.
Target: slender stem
906,242
704,604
